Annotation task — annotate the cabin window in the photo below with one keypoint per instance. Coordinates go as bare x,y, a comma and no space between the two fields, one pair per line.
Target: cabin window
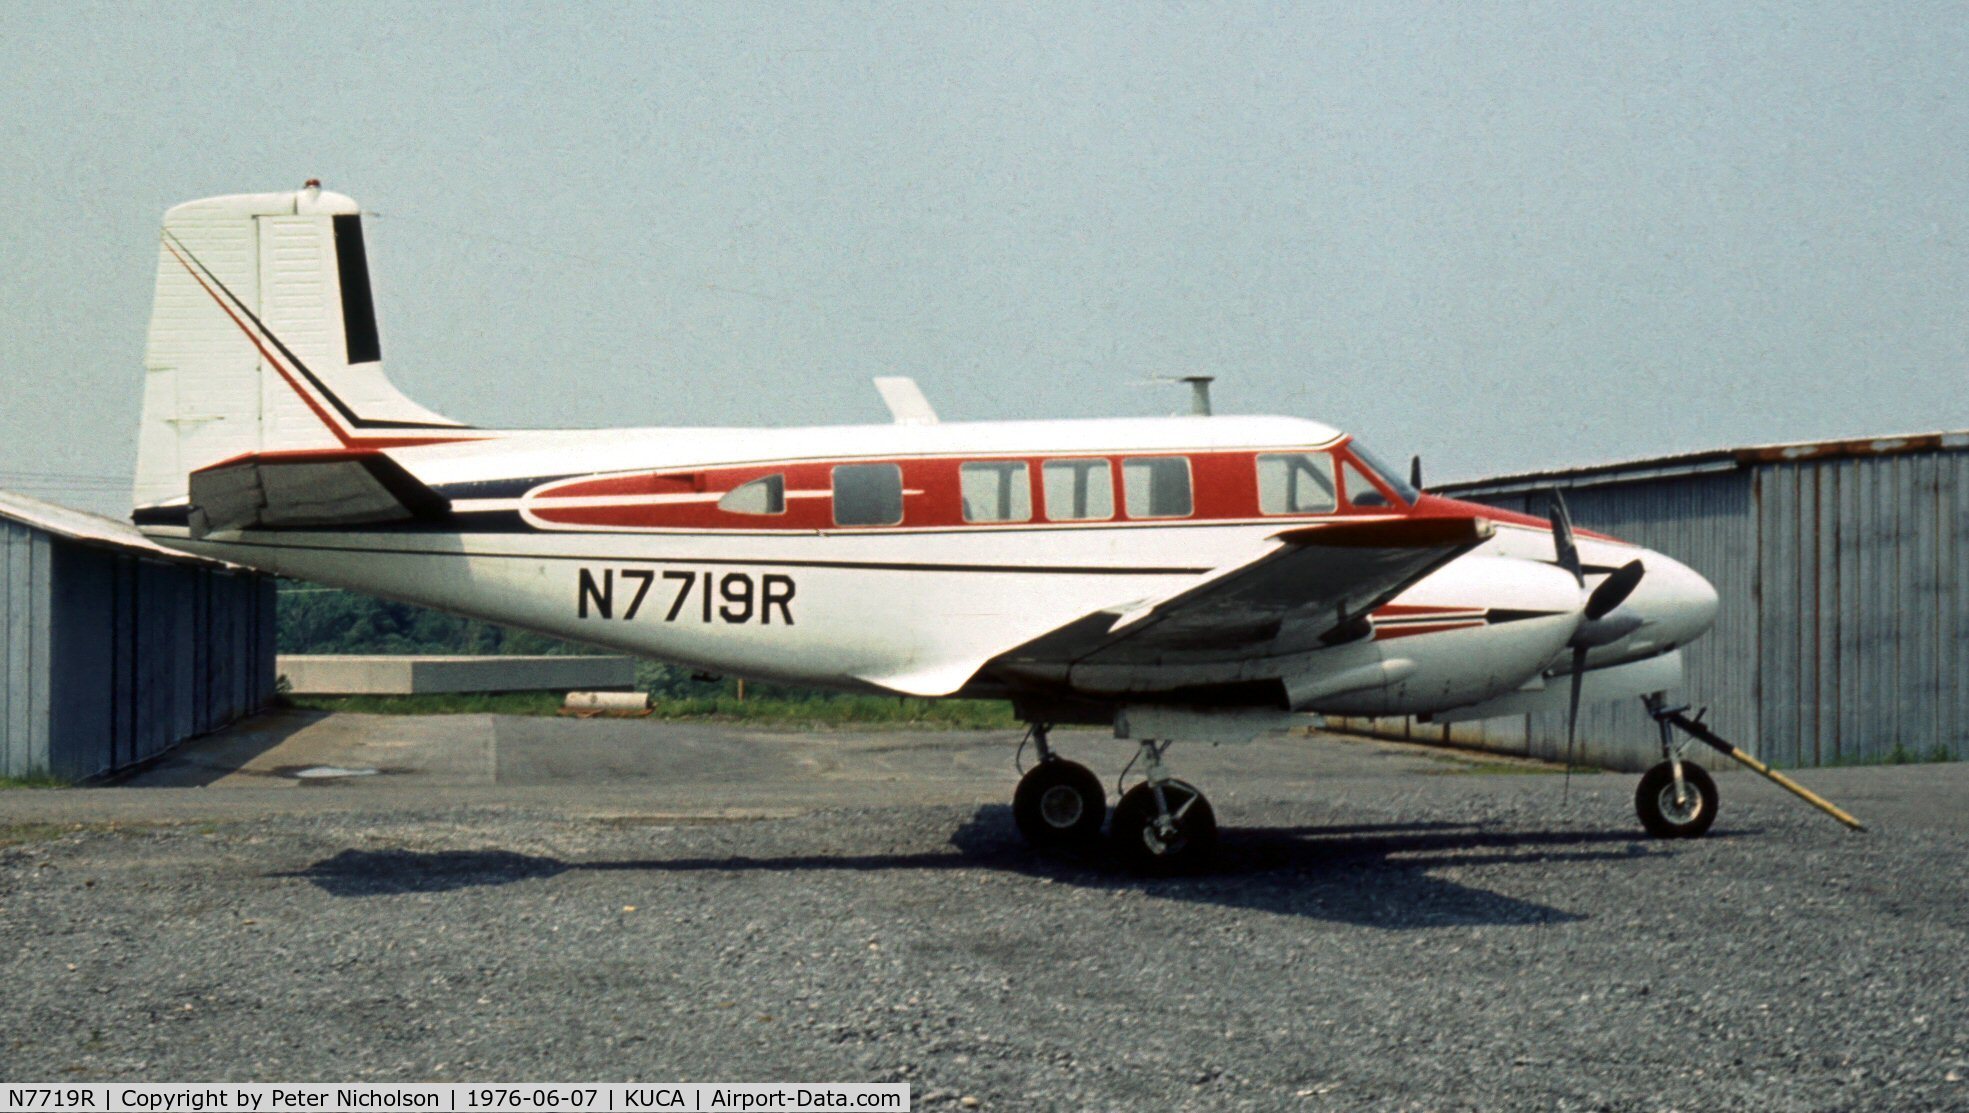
1078,490
1157,486
1361,490
999,491
1296,483
1387,475
765,495
867,495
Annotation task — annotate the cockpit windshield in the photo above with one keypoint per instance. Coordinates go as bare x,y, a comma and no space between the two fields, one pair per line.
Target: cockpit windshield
1385,473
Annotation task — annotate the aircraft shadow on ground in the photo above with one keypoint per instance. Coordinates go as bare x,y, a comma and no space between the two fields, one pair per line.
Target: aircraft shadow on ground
1380,875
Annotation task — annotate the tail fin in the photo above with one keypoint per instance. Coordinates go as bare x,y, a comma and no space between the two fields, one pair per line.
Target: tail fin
263,338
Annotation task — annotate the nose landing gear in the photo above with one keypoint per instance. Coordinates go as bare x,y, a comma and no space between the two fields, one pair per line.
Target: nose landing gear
1676,811
1677,799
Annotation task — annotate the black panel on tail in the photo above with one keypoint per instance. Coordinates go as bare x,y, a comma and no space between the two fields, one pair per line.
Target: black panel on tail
358,307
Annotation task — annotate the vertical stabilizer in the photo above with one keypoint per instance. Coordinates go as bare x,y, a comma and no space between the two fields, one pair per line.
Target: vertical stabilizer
263,338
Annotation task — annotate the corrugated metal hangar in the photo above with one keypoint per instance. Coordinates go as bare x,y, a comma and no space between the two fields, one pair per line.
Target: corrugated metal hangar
114,649
1844,630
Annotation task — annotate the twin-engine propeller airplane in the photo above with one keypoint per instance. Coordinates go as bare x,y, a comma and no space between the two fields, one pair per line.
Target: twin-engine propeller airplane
1190,578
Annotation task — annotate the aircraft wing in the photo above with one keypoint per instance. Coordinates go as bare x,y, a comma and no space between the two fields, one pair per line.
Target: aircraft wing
1315,582
290,490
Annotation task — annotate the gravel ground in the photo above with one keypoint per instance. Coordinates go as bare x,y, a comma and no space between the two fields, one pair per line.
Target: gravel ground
1446,942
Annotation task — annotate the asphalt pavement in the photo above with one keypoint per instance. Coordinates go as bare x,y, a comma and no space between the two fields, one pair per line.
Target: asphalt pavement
476,898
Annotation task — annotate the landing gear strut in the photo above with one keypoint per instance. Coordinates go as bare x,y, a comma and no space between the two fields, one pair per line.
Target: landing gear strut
1676,799
1059,804
1162,825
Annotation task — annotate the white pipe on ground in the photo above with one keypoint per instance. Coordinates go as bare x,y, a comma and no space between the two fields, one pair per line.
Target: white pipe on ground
607,701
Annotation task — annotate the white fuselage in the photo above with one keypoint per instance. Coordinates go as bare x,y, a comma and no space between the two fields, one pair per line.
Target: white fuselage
613,538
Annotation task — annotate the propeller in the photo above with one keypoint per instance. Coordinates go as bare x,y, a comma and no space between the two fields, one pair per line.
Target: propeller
1415,472
1565,551
1613,591
1599,624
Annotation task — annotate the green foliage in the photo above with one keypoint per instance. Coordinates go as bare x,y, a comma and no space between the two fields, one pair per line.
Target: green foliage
16,834
324,620
674,682
1899,755
680,693
33,780
437,703
1462,767
842,710
828,710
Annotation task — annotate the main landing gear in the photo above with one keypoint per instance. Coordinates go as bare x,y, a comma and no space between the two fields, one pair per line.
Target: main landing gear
1161,826
1060,804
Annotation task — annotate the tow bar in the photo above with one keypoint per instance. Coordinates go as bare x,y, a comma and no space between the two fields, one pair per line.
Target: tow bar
1673,716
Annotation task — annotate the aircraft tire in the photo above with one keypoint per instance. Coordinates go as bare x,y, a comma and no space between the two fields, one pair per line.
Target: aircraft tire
1654,801
1060,804
1143,851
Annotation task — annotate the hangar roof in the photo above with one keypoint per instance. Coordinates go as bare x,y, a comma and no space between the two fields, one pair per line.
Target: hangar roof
89,529
1706,462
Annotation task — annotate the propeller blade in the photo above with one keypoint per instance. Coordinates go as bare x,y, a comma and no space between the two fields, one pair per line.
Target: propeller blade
1415,472
1614,591
1562,543
1572,714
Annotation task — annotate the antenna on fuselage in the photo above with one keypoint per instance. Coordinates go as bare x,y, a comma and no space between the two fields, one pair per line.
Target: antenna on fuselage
1199,393
1199,390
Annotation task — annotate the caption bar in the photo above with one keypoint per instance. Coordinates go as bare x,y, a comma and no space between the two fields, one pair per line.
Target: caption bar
327,1097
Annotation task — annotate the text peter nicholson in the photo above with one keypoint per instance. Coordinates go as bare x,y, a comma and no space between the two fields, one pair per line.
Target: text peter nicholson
267,1097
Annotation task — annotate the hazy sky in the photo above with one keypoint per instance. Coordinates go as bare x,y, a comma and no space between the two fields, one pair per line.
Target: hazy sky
1504,238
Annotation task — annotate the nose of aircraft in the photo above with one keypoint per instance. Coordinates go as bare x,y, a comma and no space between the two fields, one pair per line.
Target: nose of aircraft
1676,604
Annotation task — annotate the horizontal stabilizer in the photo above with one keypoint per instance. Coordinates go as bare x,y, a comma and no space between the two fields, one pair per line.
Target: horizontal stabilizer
292,490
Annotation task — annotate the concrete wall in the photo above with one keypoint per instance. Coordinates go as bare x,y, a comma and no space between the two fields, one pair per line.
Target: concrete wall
326,675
